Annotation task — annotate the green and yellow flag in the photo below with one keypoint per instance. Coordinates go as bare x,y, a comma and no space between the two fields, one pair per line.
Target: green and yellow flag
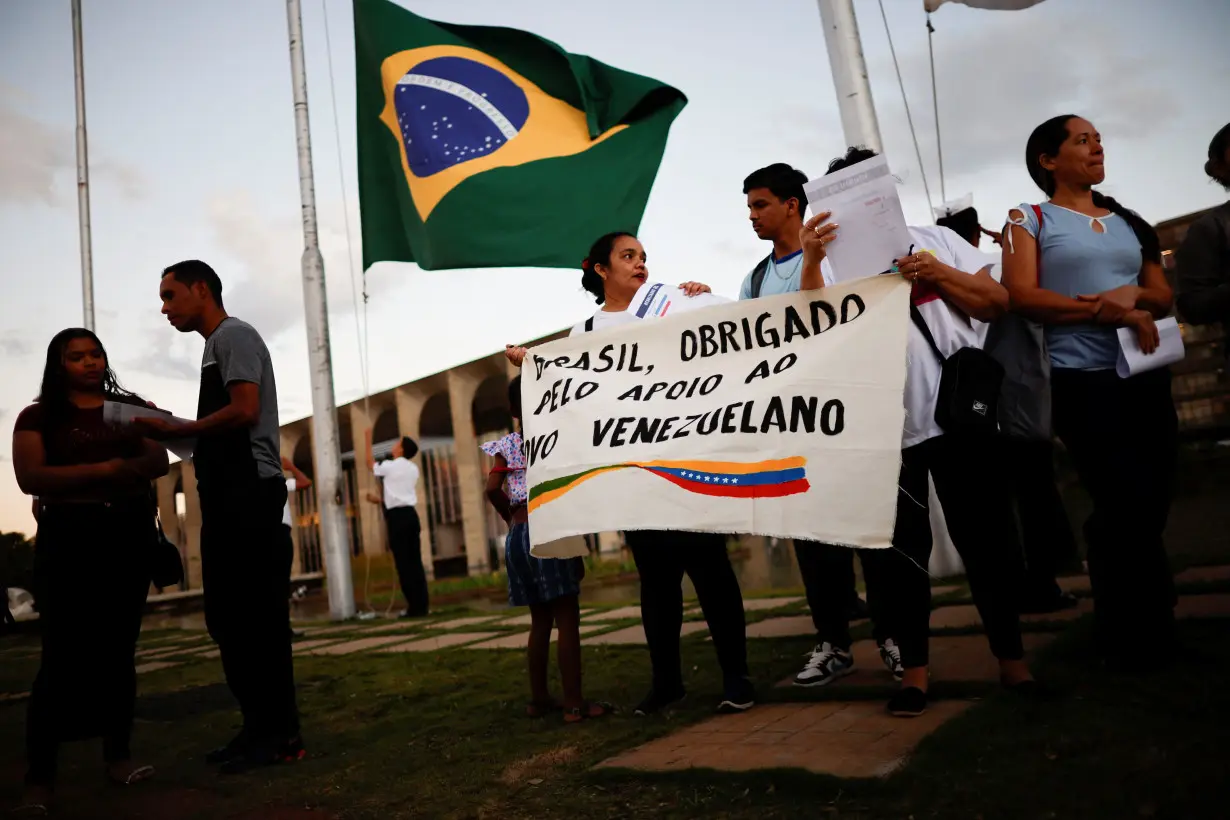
485,147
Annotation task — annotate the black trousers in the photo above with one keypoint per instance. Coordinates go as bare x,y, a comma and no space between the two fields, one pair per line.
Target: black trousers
1122,435
828,577
662,558
1046,534
979,519
245,565
404,543
91,576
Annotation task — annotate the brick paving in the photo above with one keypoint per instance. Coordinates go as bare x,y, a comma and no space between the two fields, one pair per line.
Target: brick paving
1198,575
855,739
359,645
965,616
1203,606
518,640
155,666
636,634
396,626
437,642
1074,583
301,647
761,604
617,614
463,623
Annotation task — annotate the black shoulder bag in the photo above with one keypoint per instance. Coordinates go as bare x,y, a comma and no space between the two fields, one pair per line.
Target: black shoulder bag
970,383
166,565
758,275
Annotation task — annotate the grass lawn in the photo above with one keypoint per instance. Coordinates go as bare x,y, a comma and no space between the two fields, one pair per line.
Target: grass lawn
443,736
413,735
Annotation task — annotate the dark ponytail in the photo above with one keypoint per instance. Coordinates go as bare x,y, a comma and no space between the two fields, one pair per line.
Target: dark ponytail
1150,245
1046,140
599,254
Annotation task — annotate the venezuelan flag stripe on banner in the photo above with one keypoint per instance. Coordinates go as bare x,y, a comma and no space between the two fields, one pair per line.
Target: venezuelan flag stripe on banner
728,479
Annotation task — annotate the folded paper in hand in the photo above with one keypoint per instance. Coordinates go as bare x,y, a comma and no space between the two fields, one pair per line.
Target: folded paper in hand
1133,361
863,200
654,300
123,415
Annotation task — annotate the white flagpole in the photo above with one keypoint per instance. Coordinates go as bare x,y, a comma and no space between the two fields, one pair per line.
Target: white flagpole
858,121
858,112
328,478
83,175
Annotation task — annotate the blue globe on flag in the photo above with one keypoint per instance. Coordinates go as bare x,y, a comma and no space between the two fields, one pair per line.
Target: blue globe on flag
451,110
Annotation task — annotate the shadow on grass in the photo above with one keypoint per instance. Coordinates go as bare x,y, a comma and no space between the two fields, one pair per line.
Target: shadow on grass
166,707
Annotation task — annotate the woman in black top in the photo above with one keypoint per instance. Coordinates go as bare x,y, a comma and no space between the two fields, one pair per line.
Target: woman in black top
92,571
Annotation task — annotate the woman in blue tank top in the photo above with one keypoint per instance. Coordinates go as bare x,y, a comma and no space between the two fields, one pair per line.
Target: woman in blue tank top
1084,266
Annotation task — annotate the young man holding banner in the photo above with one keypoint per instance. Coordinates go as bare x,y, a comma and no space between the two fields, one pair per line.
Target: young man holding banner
775,204
953,285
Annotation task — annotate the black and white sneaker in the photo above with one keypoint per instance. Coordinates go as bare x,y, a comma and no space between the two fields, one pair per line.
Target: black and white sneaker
890,653
740,696
656,701
825,664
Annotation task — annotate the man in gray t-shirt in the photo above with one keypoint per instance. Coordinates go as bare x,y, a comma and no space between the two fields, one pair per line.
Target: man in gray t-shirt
245,549
234,355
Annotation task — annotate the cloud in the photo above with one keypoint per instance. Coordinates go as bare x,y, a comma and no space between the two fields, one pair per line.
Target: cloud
13,346
1019,70
34,156
261,279
268,291
157,359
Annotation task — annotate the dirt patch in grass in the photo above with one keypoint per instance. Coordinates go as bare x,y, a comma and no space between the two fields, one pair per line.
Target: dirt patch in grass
536,766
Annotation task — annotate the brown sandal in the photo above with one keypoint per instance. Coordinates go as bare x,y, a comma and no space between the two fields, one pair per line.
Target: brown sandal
590,711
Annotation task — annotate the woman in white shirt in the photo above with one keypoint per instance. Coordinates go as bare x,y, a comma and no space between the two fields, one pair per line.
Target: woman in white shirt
400,476
953,287
613,272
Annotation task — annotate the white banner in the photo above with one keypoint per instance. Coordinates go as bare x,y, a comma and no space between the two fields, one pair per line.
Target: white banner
779,416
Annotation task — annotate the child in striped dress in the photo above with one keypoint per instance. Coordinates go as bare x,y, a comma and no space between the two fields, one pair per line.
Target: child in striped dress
548,586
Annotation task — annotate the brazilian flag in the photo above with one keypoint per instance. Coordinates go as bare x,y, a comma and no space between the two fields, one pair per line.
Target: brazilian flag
486,147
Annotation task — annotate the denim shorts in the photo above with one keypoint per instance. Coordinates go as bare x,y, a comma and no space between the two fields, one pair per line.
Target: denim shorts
537,580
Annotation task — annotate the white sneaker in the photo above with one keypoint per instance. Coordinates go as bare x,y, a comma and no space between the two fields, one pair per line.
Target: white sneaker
825,665
890,653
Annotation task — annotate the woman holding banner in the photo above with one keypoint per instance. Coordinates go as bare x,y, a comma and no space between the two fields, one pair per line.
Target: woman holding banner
613,272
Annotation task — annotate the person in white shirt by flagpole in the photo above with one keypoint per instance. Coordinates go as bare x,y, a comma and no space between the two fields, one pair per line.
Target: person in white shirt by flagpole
400,478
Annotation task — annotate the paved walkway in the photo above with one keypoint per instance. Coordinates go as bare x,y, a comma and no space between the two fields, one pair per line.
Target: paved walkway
849,734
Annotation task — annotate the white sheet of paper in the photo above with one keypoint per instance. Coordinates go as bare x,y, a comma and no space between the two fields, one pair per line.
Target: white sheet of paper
864,202
122,415
655,300
1133,361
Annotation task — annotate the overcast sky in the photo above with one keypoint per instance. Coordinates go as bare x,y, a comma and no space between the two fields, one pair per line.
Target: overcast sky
193,155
